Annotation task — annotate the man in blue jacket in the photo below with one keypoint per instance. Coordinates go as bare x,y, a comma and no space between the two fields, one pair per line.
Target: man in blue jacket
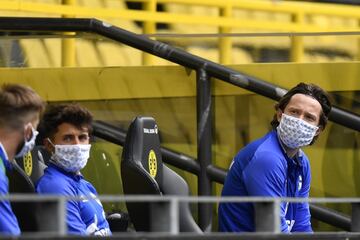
20,109
65,130
275,165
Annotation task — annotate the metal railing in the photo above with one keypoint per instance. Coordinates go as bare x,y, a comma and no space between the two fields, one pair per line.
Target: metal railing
267,212
226,21
205,70
184,162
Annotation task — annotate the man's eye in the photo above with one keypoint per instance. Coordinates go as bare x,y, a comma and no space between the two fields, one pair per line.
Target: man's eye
83,137
67,138
293,113
310,119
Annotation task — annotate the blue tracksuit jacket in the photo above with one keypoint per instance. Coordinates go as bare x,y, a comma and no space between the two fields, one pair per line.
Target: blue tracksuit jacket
83,217
8,222
263,169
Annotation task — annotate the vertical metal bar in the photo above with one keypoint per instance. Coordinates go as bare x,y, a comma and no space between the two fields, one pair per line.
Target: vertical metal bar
355,217
174,216
267,216
297,42
204,140
160,217
61,213
68,51
149,27
225,43
276,212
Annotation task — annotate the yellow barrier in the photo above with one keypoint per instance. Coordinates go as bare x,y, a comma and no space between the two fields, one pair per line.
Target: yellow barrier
299,15
128,83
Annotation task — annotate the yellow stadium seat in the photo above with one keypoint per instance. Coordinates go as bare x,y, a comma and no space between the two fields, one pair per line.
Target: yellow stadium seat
86,53
34,53
122,23
193,11
211,54
115,54
41,52
316,58
240,56
52,47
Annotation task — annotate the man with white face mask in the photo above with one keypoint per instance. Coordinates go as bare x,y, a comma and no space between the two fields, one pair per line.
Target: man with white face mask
275,165
20,110
65,130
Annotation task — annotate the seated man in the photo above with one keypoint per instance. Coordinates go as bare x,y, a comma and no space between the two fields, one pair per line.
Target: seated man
275,165
65,130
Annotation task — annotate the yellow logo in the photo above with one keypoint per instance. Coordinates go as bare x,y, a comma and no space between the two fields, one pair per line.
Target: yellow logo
27,159
152,163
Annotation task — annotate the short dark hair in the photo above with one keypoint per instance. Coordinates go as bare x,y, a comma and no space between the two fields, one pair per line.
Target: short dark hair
19,104
55,115
307,89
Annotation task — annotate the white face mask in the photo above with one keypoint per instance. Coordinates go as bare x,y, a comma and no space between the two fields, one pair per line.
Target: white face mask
294,132
71,158
28,144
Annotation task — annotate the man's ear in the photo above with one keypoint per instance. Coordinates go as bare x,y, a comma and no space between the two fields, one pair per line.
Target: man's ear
320,129
48,146
278,114
28,131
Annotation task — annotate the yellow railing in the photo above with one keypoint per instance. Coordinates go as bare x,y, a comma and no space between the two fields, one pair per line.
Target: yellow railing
225,21
68,44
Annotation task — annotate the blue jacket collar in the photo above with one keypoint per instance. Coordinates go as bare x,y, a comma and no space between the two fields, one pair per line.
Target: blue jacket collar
4,162
75,176
298,158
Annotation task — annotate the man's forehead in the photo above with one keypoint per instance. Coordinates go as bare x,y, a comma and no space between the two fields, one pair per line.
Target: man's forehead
305,102
68,128
300,98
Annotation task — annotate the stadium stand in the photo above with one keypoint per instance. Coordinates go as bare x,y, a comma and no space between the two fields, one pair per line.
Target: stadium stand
250,17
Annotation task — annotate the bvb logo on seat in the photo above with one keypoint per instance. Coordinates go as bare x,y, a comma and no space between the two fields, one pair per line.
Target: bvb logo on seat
152,163
28,163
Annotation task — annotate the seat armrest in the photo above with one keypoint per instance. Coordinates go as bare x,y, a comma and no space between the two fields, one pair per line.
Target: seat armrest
118,222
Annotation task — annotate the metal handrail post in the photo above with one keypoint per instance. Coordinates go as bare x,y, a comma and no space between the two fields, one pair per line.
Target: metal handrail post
174,216
61,213
204,140
267,216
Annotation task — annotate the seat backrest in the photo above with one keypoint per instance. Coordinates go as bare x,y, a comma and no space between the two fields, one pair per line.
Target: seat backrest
22,178
143,173
137,179
34,163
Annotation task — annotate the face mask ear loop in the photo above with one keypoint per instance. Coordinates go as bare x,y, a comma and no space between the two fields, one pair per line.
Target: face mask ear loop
49,141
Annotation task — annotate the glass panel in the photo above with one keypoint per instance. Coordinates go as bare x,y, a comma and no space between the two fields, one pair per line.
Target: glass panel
238,120
33,50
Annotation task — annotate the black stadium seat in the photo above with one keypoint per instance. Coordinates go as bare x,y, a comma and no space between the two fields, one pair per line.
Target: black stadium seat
143,172
22,179
34,163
